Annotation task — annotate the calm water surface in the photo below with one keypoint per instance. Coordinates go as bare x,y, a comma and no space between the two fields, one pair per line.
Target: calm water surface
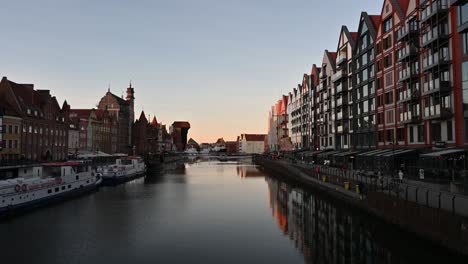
207,212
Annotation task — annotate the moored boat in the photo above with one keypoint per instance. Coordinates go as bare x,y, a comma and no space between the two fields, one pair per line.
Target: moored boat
41,184
123,170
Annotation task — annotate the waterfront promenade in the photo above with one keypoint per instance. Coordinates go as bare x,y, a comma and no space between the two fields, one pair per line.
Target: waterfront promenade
418,207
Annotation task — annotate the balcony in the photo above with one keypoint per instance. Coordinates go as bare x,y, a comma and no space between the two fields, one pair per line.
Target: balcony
339,101
341,58
432,36
407,32
339,129
437,112
409,95
339,116
437,7
320,86
339,88
410,117
407,74
338,75
406,52
436,85
435,60
323,74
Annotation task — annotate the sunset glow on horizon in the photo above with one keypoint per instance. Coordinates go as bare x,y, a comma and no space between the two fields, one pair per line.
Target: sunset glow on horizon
217,66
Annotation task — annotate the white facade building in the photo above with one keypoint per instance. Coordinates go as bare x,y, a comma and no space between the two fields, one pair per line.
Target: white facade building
252,143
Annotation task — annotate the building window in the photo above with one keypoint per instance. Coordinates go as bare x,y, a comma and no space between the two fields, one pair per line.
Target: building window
411,134
463,14
389,117
421,133
436,132
389,135
389,98
388,61
388,24
387,42
388,79
16,129
400,134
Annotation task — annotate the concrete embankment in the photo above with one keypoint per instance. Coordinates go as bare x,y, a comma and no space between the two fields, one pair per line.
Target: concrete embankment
438,226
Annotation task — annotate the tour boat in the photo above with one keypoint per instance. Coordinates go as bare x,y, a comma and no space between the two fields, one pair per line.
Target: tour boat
123,170
39,185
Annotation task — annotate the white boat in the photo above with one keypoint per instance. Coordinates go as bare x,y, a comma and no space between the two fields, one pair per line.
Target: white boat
191,151
123,170
45,183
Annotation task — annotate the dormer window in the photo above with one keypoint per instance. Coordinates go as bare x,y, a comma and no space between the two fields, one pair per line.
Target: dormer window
35,112
29,111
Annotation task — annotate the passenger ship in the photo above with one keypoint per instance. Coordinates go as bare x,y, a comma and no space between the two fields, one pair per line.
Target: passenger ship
45,183
123,170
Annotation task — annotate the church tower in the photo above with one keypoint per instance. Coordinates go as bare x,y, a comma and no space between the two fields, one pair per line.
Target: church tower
131,105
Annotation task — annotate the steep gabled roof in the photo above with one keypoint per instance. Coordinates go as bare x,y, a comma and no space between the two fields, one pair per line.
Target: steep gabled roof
349,36
143,117
154,122
375,20
372,23
192,142
331,58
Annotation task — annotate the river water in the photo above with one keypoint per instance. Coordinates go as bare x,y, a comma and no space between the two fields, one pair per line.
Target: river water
208,212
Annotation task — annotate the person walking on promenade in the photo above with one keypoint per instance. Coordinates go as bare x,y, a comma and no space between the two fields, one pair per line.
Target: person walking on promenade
400,176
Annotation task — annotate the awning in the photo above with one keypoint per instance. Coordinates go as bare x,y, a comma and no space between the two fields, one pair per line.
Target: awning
384,152
399,152
326,154
347,153
368,153
443,153
311,153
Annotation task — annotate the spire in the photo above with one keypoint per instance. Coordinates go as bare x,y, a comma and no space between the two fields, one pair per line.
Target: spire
130,92
108,88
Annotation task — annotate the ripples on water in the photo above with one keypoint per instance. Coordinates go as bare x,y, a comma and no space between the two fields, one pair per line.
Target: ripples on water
207,212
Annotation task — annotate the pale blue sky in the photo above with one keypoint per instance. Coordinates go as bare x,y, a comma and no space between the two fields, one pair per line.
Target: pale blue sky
219,64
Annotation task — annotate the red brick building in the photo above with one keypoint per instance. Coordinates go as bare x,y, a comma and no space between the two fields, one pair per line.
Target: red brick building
44,129
146,136
179,131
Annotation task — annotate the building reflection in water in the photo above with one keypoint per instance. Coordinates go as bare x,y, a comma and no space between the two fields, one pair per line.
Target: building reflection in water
326,232
245,170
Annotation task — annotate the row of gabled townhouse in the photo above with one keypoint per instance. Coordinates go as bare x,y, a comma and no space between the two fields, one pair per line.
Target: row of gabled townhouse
399,81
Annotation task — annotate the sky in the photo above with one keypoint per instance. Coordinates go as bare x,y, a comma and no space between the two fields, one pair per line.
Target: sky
219,64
